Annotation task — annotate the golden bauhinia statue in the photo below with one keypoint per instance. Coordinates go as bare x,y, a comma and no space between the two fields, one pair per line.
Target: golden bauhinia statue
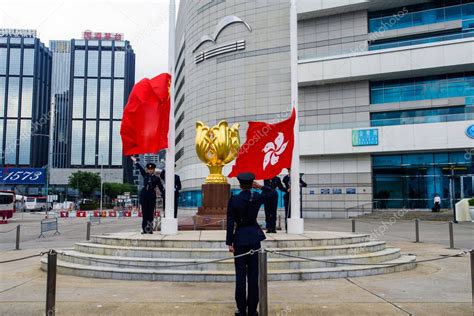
217,146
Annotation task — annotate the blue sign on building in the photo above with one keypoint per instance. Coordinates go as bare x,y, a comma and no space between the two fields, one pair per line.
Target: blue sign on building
22,176
470,131
365,137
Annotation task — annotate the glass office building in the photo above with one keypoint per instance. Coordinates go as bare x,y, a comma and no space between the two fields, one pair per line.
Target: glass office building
25,93
90,102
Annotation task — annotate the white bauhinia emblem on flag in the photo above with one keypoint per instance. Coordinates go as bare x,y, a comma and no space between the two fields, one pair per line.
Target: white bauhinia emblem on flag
273,150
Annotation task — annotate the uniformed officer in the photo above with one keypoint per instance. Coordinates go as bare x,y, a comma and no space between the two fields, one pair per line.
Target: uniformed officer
242,211
177,188
271,204
148,194
286,196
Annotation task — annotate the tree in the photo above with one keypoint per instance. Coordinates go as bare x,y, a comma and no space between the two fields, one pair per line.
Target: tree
84,181
112,189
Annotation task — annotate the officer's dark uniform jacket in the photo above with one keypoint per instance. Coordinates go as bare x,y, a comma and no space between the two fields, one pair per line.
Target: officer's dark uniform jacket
242,211
150,182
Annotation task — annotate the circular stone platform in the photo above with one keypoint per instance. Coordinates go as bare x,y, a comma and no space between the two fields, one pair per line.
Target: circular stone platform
132,256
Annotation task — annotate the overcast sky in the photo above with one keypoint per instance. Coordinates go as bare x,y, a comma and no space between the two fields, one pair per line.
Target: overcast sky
144,24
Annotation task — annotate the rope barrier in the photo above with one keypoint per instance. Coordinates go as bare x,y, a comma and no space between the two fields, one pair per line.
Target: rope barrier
251,252
24,258
9,230
462,253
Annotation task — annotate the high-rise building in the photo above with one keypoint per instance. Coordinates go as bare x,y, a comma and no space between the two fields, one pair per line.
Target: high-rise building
385,94
89,101
25,91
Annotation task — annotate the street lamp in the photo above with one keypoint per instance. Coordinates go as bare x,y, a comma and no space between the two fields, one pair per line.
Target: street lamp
101,179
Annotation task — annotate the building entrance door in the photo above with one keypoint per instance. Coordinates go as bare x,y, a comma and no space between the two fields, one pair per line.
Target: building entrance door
466,186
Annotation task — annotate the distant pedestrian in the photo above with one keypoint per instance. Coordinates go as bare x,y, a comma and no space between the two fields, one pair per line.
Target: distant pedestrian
242,211
436,203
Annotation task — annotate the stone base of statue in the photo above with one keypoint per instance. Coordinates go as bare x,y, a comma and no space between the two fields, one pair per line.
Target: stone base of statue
212,214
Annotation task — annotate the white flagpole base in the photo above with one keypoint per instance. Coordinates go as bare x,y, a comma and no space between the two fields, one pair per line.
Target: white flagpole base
295,226
169,226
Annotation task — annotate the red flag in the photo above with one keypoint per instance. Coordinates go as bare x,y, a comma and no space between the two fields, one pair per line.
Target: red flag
267,150
145,120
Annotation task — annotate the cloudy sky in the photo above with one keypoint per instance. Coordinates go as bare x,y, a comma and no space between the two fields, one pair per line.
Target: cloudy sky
144,24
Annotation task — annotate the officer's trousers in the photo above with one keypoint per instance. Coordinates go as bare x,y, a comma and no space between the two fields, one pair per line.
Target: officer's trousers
270,206
286,201
148,202
246,272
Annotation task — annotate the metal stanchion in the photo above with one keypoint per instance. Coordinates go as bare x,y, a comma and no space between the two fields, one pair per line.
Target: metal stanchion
51,284
223,224
417,230
88,232
279,222
262,283
194,222
353,225
451,236
17,237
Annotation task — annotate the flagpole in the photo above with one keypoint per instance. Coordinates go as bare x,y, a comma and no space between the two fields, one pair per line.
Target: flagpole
169,224
295,223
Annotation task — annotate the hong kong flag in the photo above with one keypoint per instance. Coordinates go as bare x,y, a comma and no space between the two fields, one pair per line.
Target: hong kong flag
145,120
268,149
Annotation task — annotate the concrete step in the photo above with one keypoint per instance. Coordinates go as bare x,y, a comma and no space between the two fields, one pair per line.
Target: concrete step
274,263
216,239
411,215
221,252
400,264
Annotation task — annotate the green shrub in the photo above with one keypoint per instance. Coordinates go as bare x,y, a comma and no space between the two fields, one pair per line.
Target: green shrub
471,202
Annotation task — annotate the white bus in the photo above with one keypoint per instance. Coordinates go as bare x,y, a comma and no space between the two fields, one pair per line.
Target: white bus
36,203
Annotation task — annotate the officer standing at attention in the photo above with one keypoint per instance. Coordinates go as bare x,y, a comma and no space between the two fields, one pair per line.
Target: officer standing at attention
242,210
271,204
148,194
177,188
286,196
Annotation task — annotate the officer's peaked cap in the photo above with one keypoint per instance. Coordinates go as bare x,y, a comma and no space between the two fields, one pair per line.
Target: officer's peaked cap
246,177
150,165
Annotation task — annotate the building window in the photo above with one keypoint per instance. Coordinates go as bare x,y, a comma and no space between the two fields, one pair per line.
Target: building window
116,144
25,142
76,143
448,114
106,63
89,150
13,97
422,88
2,98
419,15
79,63
3,61
78,99
105,98
11,143
118,98
119,64
92,63
104,142
91,105
15,59
28,62
27,97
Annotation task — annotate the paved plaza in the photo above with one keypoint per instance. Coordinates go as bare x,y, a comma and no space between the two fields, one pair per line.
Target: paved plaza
434,288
